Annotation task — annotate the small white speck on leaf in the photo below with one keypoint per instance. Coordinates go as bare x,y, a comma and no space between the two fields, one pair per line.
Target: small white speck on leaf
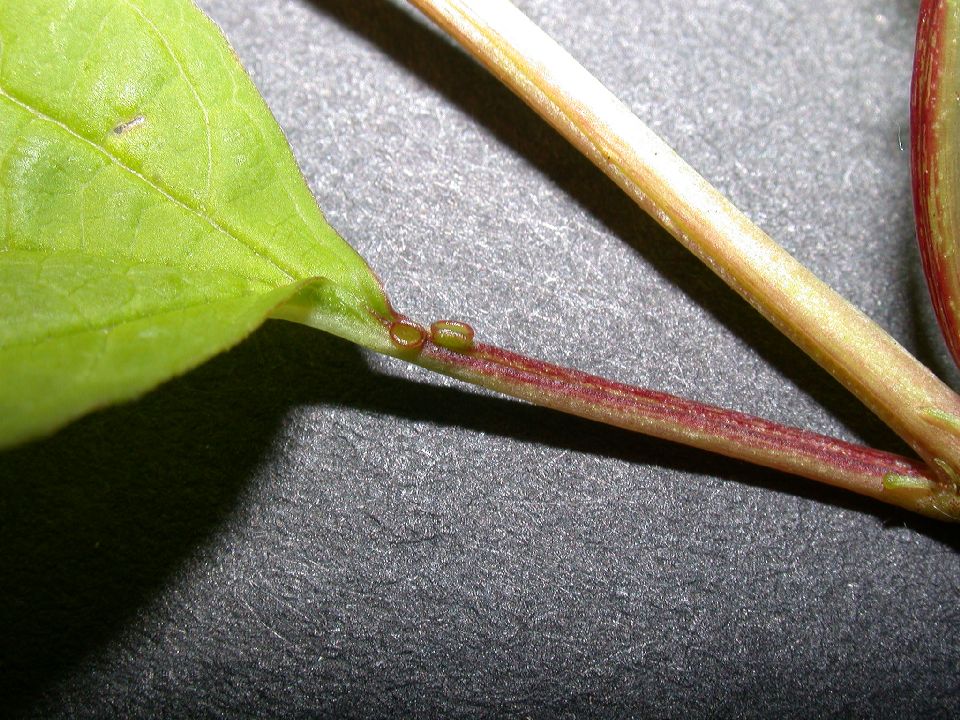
126,127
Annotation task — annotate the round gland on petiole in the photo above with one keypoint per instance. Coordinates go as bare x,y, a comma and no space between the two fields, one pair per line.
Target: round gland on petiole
452,335
407,335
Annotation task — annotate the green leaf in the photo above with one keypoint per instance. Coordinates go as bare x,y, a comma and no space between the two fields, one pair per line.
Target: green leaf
151,212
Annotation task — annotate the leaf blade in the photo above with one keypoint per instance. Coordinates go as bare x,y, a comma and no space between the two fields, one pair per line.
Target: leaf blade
150,207
52,379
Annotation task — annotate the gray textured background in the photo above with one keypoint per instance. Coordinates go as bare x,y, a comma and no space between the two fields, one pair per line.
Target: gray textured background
299,528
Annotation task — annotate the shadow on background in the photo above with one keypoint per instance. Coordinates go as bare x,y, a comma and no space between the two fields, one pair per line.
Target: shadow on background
95,519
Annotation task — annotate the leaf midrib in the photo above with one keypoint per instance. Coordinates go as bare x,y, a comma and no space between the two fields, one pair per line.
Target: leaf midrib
157,187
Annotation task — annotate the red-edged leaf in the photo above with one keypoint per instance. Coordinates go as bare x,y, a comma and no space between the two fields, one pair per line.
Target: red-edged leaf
935,159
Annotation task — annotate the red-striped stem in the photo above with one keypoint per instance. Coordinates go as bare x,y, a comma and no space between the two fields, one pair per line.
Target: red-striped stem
448,348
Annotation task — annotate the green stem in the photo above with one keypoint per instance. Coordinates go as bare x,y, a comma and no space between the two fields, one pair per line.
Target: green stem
901,391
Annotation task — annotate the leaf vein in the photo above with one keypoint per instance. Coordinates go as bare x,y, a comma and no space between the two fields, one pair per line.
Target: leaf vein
168,194
107,325
137,262
190,84
92,46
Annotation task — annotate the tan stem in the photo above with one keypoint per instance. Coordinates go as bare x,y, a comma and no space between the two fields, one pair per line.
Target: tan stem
871,364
